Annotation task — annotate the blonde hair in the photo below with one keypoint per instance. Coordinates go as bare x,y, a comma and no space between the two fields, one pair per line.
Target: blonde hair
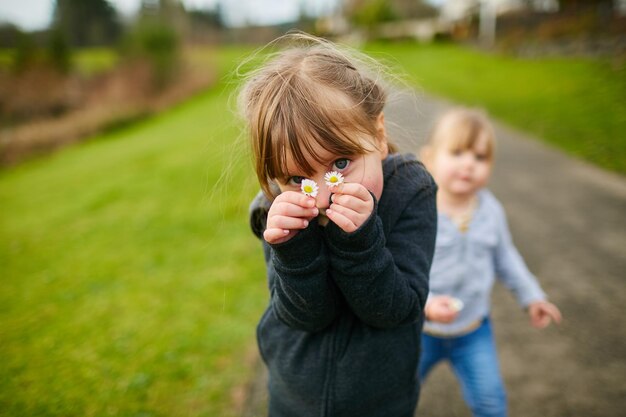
313,92
461,129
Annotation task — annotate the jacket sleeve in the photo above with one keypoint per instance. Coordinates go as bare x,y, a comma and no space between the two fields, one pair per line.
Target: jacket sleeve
301,294
510,267
385,280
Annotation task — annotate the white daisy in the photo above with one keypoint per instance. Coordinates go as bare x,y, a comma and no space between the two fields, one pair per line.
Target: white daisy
309,187
333,178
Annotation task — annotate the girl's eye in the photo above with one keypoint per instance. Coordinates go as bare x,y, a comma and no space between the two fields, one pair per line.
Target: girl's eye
295,180
480,157
456,152
341,164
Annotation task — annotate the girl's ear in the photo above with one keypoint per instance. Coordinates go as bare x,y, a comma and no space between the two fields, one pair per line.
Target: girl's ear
381,135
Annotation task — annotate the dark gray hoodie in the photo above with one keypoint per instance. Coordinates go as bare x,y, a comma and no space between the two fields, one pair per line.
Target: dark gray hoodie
341,335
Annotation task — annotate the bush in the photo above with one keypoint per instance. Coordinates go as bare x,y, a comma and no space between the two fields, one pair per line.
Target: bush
25,54
59,52
372,13
159,45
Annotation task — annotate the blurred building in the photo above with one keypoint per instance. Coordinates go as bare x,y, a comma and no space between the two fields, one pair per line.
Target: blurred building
454,10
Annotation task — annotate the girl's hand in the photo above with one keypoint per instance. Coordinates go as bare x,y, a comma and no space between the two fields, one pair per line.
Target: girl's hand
352,204
542,313
290,212
441,309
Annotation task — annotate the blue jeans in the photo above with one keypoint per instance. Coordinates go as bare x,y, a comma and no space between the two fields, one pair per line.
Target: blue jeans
474,360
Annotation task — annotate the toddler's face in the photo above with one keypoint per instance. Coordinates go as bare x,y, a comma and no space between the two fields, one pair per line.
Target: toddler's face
461,172
364,169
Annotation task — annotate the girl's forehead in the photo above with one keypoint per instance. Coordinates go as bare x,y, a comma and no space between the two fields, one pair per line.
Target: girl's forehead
314,153
479,144
319,157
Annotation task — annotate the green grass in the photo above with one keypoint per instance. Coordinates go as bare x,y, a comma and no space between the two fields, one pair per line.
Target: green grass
576,104
87,62
6,58
92,61
130,283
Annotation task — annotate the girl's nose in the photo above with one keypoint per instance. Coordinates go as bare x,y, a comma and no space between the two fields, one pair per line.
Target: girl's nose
467,159
322,201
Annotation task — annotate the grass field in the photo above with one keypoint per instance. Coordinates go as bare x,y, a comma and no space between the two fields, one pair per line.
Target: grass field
576,104
130,283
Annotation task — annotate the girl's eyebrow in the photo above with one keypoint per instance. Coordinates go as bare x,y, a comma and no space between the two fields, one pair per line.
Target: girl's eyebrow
283,180
335,157
287,175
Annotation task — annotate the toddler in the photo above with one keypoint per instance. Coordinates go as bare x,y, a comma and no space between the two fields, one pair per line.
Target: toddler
473,247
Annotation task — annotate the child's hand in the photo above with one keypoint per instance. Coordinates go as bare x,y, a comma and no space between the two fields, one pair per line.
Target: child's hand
441,308
542,313
352,204
290,212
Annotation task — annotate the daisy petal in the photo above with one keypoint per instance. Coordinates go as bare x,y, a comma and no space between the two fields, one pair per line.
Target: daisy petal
309,187
333,178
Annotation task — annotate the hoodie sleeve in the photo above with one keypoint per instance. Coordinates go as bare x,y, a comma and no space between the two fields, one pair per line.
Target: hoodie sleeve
301,295
385,279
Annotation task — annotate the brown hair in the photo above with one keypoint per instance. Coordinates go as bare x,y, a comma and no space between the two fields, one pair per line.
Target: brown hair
461,129
312,92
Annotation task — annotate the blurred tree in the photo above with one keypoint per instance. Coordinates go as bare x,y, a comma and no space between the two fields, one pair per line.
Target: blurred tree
169,12
87,22
207,18
205,26
9,34
25,54
29,54
573,4
413,9
369,13
156,39
58,51
306,20
159,45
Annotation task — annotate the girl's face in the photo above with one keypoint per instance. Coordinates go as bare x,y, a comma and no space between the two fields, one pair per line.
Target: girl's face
365,169
461,172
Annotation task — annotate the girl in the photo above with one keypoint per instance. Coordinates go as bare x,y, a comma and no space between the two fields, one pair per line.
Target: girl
473,246
347,264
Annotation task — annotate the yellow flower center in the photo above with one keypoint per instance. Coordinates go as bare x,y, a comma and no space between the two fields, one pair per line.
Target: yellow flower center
308,189
333,179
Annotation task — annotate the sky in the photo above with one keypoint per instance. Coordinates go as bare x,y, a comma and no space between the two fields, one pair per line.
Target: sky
36,14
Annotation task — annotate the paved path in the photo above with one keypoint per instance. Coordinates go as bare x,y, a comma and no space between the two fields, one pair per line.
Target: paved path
569,222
